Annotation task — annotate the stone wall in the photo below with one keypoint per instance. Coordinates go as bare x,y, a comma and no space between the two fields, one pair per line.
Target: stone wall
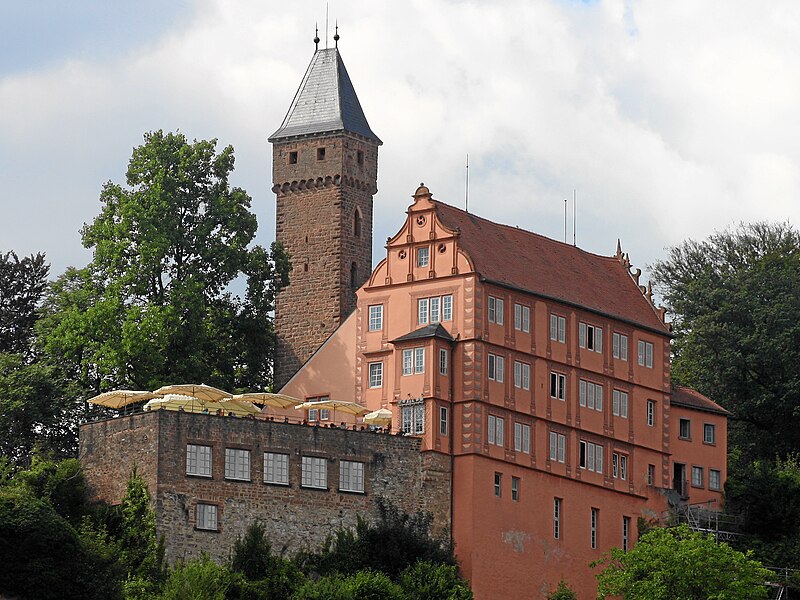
294,517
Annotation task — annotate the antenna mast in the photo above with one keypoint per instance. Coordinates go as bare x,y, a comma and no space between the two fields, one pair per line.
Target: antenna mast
565,220
326,26
466,189
574,217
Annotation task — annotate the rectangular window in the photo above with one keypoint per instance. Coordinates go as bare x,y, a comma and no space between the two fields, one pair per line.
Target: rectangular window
595,516
590,395
623,467
276,468
413,419
685,429
620,404
558,384
419,360
408,361
376,375
697,477
497,367
590,337
614,465
376,317
434,309
442,420
498,484
315,472
558,443
515,489
651,474
198,460
292,158
714,479
351,476
522,438
645,354
435,305
558,328
626,533
709,433
442,361
522,318
422,311
620,346
496,427
422,256
318,414
522,375
557,518
237,464
591,456
206,517
651,413
321,153
495,310
447,308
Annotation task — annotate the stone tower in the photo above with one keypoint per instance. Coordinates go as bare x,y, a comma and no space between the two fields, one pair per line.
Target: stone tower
324,173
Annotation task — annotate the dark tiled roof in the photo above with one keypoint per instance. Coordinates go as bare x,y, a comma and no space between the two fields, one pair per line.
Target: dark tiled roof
520,259
429,331
689,398
326,102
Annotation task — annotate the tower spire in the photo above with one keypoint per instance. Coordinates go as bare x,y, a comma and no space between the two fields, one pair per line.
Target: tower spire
316,37
336,35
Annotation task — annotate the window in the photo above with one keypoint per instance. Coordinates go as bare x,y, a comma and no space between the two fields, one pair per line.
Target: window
522,375
353,275
237,464
292,158
497,367
442,361
351,476
590,395
590,337
319,414
623,467
614,465
408,361
620,404
357,223
558,384
558,442
315,472
321,153
591,457
685,429
375,375
558,328
442,420
276,468
651,412
515,489
198,460
434,309
376,317
419,360
595,515
522,438
620,346
495,427
498,484
697,477
413,419
626,533
651,474
495,310
557,518
709,433
714,477
522,318
206,517
422,256
645,354
360,157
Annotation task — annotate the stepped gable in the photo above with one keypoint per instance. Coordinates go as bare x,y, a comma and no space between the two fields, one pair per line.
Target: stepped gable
684,396
521,259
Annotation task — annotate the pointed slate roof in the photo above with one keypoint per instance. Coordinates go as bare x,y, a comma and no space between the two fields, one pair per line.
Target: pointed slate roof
326,102
429,331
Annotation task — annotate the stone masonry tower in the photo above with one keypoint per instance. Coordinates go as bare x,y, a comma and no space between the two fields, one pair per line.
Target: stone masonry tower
324,174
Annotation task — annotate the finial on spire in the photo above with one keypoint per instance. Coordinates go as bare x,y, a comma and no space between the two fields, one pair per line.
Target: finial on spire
316,37
336,34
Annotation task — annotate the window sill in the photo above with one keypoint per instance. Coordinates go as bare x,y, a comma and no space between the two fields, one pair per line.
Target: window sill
709,443
200,475
278,484
314,487
196,528
355,492
238,480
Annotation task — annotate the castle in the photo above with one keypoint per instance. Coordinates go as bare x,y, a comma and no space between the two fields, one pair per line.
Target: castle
531,380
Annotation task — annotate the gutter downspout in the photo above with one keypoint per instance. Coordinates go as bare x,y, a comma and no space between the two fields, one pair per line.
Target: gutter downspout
452,443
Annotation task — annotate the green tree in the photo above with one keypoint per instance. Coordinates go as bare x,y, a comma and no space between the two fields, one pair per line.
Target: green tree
678,564
562,592
154,305
430,581
22,283
200,579
364,585
736,316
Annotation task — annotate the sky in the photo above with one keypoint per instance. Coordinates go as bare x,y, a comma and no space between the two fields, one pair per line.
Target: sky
669,120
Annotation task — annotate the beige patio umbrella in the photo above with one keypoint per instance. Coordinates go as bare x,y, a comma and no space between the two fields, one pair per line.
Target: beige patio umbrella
200,391
121,398
196,405
340,405
269,399
382,416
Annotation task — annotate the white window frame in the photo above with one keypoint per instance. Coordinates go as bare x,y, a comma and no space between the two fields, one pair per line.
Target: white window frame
623,467
591,456
198,460
590,395
376,317
375,375
626,533
698,476
688,423
434,306
557,518
590,337
351,476
558,328
423,310
498,484
435,309
496,367
558,385
594,521
447,307
495,427
714,479
522,375
515,489
620,404
314,471
408,361
651,413
442,420
423,256
276,468
522,438
419,360
645,354
237,464
522,318
413,419
442,361
496,310
712,438
620,346
558,444
206,516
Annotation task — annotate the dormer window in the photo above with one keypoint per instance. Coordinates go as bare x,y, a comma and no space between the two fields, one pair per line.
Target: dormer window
321,153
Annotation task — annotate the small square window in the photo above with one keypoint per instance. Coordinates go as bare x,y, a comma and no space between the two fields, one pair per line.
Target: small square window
321,153
292,158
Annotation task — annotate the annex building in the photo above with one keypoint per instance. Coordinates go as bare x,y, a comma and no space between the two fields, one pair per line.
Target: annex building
531,380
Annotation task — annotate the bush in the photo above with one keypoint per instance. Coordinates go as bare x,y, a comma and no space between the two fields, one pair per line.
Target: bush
201,579
562,592
429,581
364,585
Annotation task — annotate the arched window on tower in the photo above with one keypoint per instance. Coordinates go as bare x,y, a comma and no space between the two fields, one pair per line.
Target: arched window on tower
353,275
357,223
